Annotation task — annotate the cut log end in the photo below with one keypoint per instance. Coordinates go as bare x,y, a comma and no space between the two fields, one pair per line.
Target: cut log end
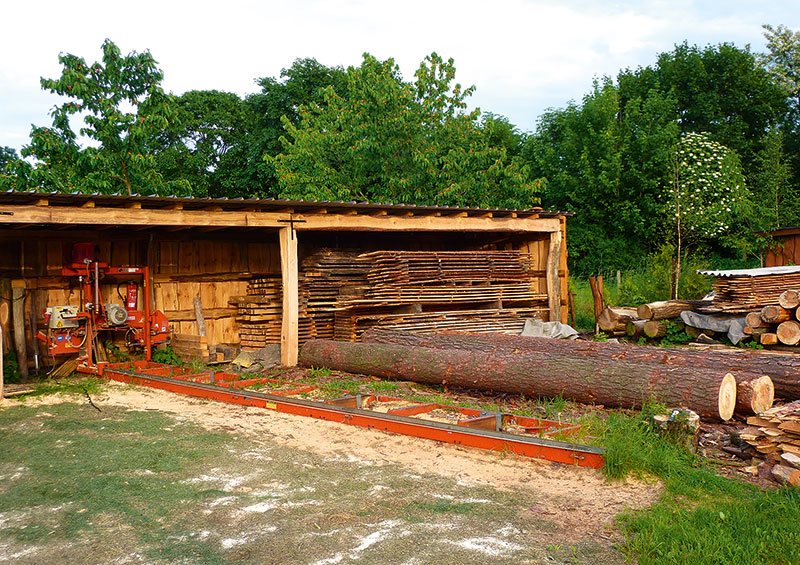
789,333
755,396
654,329
789,299
727,397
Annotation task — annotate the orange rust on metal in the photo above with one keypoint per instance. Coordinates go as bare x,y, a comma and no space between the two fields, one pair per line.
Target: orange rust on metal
551,450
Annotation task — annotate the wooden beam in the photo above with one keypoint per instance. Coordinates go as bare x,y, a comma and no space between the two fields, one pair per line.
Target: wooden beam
133,205
345,221
88,204
41,202
289,276
176,206
424,223
553,282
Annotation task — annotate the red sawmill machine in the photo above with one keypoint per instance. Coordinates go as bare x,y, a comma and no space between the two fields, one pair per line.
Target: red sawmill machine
77,329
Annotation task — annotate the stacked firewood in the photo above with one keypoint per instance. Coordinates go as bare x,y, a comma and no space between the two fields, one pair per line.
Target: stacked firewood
776,323
775,435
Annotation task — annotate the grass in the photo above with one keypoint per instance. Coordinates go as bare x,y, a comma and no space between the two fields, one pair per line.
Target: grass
123,485
702,516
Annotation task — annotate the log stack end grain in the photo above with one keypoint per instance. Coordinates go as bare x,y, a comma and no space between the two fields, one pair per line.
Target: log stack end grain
755,396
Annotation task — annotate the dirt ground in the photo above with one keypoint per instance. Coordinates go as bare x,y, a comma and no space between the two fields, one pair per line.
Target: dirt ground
459,504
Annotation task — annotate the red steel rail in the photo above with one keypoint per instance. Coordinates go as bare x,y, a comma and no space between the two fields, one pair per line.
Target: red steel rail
163,377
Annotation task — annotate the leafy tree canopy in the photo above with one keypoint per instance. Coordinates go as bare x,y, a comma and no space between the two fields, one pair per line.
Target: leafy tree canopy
123,110
382,139
206,144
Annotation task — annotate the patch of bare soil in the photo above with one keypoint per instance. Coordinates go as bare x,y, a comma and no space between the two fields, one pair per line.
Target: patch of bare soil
581,501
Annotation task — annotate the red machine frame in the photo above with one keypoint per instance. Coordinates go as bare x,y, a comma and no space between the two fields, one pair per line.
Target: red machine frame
92,311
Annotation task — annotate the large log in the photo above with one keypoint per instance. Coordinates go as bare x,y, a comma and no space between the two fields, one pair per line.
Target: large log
654,329
616,319
667,309
591,380
783,370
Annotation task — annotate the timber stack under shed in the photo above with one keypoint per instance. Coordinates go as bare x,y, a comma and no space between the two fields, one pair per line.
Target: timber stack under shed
244,273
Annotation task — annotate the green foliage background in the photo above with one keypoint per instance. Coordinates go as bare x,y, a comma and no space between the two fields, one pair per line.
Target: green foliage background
365,133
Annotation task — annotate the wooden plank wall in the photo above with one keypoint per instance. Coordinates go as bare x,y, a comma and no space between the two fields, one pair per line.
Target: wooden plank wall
786,251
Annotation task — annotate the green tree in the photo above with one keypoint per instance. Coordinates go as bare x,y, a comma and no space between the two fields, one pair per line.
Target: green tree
300,85
123,109
783,60
383,139
706,196
206,144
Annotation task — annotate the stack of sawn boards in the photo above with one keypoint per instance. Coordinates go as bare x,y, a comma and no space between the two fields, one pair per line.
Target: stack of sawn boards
430,291
342,293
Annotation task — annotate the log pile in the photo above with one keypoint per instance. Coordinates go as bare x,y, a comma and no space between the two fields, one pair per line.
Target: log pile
776,323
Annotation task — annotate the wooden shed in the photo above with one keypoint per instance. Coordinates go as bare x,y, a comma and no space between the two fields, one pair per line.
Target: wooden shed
277,271
786,249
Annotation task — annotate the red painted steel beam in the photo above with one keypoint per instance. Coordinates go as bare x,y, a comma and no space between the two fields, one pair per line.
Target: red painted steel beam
561,452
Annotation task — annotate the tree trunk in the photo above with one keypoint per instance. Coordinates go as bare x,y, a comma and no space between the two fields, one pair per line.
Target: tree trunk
668,308
590,380
615,319
789,333
783,370
775,314
754,396
596,284
789,299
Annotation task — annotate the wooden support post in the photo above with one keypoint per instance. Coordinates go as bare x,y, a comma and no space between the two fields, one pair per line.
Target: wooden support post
289,276
18,317
5,313
198,314
553,282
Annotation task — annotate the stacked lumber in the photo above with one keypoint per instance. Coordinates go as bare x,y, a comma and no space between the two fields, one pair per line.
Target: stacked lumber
746,290
431,291
342,293
259,313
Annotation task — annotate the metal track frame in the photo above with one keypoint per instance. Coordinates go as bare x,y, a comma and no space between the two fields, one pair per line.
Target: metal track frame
536,448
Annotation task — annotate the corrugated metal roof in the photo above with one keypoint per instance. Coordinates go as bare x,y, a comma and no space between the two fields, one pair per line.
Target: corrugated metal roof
764,271
266,204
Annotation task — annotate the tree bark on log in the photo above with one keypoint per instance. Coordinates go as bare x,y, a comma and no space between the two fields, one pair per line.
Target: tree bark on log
606,381
754,396
783,370
615,319
668,308
789,299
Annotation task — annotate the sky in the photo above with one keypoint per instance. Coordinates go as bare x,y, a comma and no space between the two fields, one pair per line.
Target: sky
523,56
